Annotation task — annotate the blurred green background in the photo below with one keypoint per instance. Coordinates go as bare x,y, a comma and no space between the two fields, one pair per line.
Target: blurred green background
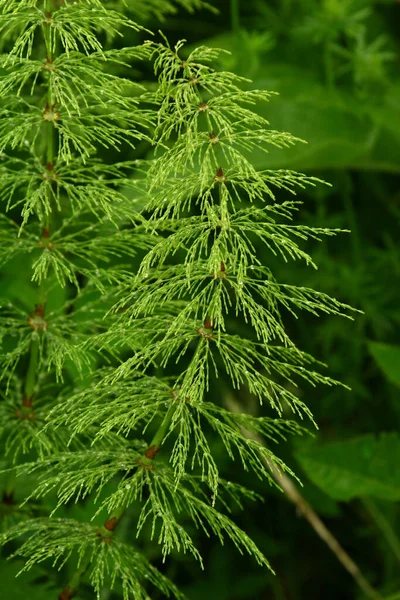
335,64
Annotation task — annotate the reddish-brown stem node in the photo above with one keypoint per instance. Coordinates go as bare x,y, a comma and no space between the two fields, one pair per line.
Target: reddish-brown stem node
151,452
206,330
27,401
207,323
107,540
25,415
48,245
49,64
49,174
50,114
67,594
111,523
37,321
45,242
175,395
214,139
220,177
221,274
144,465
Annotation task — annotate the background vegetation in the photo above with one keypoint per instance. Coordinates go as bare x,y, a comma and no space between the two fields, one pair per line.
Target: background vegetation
335,66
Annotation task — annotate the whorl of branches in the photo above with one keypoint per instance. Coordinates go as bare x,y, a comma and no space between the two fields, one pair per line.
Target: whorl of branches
163,335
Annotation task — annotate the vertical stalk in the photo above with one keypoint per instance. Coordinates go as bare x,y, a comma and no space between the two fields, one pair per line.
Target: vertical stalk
36,320
235,16
30,380
157,440
50,144
49,59
107,531
145,461
71,589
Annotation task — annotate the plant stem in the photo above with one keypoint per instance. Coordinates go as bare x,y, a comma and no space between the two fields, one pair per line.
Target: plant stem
71,589
146,460
384,526
30,380
304,509
158,438
50,103
235,16
111,523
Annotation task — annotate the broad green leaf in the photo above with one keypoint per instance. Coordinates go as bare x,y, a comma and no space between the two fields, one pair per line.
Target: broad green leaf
33,584
363,466
388,358
341,130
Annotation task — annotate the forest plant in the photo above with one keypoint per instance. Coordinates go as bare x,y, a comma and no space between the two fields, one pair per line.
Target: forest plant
128,350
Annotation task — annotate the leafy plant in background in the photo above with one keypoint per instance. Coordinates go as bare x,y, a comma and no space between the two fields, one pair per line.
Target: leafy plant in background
115,348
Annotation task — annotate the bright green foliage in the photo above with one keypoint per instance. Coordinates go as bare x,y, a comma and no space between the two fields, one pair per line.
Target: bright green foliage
162,335
353,130
208,171
109,560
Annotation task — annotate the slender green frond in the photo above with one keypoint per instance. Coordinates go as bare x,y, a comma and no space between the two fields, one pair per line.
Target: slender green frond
111,562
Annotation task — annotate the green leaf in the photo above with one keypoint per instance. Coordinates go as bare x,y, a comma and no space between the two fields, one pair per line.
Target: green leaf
388,358
341,131
33,584
363,466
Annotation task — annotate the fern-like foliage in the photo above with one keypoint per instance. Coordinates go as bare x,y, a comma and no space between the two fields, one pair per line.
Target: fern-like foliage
198,312
212,210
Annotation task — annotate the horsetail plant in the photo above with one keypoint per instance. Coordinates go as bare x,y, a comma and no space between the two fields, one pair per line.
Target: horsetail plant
119,356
